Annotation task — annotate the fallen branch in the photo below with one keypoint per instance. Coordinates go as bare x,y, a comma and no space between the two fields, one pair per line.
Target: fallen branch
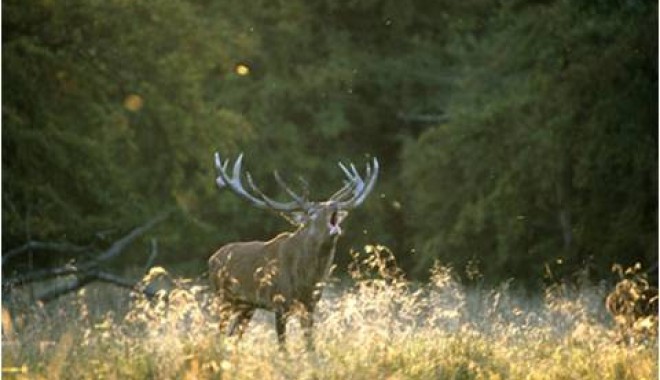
63,289
118,246
89,277
88,271
40,275
43,246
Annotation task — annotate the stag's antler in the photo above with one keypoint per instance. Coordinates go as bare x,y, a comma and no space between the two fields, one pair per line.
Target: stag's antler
355,188
235,184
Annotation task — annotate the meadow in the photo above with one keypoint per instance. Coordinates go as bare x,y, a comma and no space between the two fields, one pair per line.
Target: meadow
375,325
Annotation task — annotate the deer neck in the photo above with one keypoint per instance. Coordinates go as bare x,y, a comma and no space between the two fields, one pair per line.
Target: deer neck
314,258
315,242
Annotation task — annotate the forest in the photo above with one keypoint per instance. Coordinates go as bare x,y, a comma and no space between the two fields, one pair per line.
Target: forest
517,137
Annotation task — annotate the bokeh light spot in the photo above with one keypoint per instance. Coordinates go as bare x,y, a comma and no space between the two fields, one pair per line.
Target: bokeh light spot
133,102
242,69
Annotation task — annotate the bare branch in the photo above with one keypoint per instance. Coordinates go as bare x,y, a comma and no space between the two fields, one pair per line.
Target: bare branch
40,275
88,267
118,246
86,279
116,280
66,288
152,254
34,245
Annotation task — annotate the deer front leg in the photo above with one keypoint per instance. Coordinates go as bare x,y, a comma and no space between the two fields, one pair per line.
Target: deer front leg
280,328
307,324
240,321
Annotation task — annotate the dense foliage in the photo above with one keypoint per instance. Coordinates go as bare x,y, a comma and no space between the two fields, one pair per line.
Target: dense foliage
517,134
550,151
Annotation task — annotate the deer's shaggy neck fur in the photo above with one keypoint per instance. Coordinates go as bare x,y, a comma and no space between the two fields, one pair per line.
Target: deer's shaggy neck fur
310,266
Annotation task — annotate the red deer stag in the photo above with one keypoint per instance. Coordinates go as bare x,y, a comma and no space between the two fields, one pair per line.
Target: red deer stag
285,274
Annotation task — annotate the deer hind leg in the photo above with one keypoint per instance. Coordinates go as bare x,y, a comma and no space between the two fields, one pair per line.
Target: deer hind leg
307,325
240,321
224,311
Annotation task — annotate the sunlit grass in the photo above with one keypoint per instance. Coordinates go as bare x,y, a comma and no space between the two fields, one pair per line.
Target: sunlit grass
376,327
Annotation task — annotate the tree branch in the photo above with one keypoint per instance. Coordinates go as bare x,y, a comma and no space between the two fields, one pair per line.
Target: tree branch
41,275
34,245
152,255
89,277
63,289
88,267
118,246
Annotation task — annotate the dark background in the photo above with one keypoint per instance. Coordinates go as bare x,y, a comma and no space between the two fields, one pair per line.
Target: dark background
517,136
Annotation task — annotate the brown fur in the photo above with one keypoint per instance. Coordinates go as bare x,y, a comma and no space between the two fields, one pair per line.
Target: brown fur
283,275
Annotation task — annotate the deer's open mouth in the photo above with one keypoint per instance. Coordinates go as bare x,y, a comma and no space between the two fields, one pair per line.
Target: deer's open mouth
333,224
333,219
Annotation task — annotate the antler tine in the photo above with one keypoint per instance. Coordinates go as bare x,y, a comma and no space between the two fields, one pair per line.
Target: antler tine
371,181
305,188
300,200
357,180
290,206
359,185
346,172
234,182
349,186
354,170
357,189
343,192
237,167
222,179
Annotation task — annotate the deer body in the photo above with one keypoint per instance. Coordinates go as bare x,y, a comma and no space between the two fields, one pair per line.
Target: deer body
273,274
285,274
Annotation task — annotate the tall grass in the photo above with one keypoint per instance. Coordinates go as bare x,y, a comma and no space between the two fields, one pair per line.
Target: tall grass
376,326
